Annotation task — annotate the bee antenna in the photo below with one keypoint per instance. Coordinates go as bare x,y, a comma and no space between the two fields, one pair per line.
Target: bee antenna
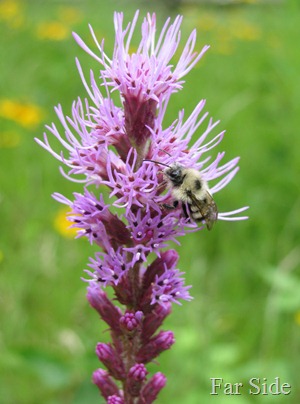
165,152
157,162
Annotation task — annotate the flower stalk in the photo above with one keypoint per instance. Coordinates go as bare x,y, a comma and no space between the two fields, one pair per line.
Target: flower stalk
117,146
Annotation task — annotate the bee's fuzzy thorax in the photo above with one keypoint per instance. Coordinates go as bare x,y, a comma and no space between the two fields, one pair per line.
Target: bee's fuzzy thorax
187,180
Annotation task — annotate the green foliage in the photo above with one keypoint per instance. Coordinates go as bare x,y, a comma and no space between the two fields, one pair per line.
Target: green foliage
244,320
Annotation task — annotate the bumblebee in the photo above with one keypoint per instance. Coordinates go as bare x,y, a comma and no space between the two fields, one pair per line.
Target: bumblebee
191,190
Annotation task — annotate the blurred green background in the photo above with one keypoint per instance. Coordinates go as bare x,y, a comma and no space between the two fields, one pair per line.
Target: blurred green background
244,320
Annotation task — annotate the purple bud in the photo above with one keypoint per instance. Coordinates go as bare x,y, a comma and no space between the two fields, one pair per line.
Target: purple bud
136,376
110,358
154,319
115,229
162,341
150,391
123,291
109,313
139,117
105,383
115,400
131,321
168,259
138,372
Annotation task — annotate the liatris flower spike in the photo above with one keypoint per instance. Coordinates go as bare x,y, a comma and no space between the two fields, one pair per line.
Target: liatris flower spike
158,191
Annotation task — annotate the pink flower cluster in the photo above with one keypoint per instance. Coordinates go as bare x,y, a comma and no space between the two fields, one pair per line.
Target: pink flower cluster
106,145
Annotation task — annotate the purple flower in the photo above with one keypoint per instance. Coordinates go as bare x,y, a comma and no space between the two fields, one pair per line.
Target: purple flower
124,146
109,267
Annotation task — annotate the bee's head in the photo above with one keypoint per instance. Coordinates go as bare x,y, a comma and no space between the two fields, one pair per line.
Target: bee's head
174,173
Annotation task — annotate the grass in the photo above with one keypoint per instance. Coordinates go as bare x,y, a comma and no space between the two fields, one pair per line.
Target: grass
244,320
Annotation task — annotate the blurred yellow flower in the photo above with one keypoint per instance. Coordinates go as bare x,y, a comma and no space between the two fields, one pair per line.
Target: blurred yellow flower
52,30
11,12
27,115
207,21
9,9
297,317
251,1
69,15
9,139
62,225
223,42
132,49
223,30
245,31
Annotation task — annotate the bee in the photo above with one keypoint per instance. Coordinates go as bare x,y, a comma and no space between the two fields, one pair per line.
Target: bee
191,190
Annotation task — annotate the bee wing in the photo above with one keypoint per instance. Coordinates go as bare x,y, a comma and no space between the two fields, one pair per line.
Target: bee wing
207,208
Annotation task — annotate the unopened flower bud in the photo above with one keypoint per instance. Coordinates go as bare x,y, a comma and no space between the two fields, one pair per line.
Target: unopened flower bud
131,321
105,383
162,341
136,376
150,391
109,357
115,400
154,319
109,313
139,117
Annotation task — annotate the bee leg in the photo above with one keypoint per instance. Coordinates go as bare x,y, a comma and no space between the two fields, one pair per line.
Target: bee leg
167,206
190,214
200,218
185,212
161,187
